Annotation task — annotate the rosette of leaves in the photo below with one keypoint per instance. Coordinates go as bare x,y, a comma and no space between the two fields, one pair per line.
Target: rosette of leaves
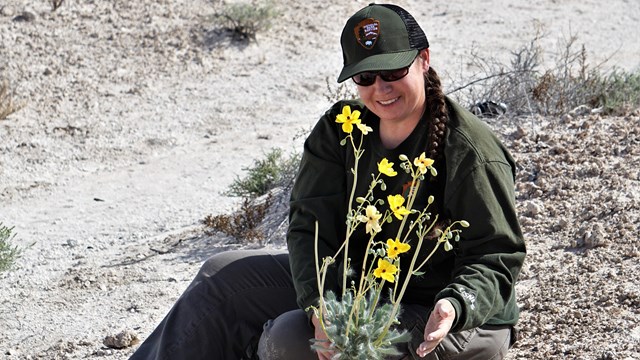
366,338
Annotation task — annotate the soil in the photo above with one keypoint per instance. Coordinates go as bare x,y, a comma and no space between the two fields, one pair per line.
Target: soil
138,115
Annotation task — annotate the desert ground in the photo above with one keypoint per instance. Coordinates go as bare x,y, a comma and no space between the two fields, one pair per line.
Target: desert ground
138,115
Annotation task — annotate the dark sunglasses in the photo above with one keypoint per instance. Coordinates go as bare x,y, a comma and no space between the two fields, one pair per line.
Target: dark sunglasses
368,78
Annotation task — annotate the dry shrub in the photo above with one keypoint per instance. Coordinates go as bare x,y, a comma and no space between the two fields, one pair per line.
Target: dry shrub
7,105
243,224
245,20
525,88
55,4
342,91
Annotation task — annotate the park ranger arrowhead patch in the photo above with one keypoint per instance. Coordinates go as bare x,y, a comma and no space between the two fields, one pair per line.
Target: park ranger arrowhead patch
367,32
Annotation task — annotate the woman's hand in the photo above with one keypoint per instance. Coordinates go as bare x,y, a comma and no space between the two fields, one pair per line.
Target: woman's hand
438,326
320,335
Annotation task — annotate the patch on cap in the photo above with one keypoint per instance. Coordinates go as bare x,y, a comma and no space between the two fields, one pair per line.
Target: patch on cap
367,32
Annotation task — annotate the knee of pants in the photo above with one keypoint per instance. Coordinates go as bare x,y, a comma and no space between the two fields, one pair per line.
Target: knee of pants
287,337
215,263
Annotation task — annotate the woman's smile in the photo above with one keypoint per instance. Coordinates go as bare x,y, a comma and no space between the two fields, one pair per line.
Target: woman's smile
388,102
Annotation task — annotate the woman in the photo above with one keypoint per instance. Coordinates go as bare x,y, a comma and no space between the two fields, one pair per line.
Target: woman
464,306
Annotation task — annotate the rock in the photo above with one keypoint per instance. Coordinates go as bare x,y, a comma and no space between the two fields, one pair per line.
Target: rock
519,133
7,11
25,17
533,208
580,110
595,237
123,339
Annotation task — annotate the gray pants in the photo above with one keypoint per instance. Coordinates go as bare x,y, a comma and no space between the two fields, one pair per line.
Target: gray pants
226,313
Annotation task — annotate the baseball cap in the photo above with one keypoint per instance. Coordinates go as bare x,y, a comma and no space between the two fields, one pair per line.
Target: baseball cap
380,37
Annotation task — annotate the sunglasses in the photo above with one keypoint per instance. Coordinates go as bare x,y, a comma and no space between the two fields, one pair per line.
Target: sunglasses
368,78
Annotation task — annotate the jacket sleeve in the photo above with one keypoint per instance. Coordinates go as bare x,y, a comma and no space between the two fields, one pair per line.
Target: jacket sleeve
491,250
318,195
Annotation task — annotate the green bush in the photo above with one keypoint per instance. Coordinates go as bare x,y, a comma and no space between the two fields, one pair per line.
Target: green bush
275,170
621,92
8,253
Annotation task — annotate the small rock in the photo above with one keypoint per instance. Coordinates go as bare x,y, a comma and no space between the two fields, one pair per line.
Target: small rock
7,11
595,237
519,133
534,208
561,225
12,352
580,110
25,17
123,339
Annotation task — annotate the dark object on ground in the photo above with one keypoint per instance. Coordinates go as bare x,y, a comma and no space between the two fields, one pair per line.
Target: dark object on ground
25,17
488,109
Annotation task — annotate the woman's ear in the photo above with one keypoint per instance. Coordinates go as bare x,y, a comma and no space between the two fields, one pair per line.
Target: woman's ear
424,55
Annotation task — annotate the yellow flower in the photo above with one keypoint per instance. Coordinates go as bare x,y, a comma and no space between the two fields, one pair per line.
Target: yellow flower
396,247
386,167
385,270
395,204
423,163
364,128
372,218
348,119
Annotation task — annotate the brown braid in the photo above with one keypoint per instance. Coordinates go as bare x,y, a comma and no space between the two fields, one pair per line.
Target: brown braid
437,106
440,115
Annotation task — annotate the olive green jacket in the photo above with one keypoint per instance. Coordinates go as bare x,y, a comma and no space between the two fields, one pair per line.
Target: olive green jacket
475,182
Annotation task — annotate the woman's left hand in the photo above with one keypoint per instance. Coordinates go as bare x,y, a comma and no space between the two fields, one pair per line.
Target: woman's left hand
438,326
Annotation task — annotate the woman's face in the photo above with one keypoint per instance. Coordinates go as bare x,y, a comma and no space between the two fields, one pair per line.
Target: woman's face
399,100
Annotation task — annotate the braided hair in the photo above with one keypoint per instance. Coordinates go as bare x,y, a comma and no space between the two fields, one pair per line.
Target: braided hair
437,106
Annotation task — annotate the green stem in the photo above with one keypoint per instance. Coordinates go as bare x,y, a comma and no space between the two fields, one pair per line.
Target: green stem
396,301
357,155
321,278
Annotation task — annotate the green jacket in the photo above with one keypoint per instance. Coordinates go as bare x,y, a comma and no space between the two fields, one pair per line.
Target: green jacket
475,183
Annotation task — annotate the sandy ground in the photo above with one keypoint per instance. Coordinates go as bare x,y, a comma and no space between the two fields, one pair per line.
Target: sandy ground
139,114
